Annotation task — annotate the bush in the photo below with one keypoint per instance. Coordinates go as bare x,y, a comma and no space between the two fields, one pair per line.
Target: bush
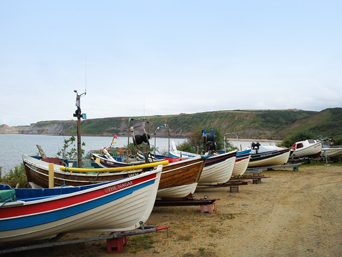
299,136
195,142
338,141
72,153
15,178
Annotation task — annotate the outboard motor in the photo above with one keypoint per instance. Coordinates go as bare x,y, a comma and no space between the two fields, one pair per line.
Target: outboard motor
255,146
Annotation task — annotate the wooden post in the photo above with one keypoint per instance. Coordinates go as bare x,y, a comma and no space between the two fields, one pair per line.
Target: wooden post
79,115
51,175
79,147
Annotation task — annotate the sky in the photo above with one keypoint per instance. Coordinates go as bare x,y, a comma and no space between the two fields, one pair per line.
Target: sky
143,58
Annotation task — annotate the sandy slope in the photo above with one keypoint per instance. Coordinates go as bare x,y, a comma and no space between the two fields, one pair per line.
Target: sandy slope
289,214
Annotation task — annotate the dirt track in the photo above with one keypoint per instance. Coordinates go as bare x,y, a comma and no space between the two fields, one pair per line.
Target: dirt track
289,214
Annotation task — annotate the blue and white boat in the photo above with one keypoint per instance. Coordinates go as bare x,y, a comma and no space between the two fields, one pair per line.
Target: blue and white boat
121,205
241,163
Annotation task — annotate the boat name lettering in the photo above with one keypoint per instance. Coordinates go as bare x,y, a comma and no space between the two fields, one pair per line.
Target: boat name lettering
118,187
123,185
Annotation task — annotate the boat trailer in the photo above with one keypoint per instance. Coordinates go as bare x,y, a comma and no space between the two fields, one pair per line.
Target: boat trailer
207,204
233,184
251,174
255,173
115,241
295,167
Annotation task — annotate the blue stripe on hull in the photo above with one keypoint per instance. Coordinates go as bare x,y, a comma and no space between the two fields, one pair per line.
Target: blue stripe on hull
173,156
35,220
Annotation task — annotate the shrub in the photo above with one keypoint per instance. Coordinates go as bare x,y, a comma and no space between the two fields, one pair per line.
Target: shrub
71,154
338,141
195,142
299,136
16,177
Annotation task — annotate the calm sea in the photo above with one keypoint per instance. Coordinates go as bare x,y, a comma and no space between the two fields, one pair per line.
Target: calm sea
13,146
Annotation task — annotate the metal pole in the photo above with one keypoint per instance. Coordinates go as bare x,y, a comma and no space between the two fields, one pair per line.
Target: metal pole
128,132
168,143
224,143
237,138
155,142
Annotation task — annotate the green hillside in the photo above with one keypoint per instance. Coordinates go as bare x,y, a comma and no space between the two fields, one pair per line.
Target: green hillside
255,124
327,123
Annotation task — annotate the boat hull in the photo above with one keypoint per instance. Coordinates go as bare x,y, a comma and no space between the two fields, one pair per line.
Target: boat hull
311,151
218,168
116,206
332,152
272,158
175,174
177,191
178,179
241,165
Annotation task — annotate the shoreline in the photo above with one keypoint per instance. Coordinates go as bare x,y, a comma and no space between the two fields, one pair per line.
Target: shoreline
178,137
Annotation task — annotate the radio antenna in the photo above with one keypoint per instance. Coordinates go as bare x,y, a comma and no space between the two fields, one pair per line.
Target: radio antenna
144,105
85,79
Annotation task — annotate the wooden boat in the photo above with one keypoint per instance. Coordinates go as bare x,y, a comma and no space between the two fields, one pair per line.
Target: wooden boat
33,214
178,179
241,163
217,169
37,172
308,148
271,158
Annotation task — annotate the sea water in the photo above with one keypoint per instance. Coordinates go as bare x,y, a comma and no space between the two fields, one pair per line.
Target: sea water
13,146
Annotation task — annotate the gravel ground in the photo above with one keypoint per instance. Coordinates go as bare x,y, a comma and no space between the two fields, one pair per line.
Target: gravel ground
291,213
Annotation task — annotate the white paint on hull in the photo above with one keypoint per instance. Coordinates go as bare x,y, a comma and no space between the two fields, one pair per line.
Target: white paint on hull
272,161
332,152
120,215
218,173
307,151
241,166
177,192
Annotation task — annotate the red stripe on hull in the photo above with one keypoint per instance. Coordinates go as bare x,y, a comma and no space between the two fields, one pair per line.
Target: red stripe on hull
68,200
241,159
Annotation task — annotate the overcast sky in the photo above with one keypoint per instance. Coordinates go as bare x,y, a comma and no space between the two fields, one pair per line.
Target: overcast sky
140,58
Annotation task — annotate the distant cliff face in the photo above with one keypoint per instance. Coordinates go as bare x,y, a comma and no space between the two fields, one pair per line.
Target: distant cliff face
265,124
55,128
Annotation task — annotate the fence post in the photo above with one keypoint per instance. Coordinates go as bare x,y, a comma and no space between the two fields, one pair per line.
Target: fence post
51,175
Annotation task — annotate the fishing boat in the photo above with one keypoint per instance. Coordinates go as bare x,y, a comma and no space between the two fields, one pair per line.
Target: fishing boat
241,163
37,172
217,169
308,148
178,179
331,152
270,158
121,205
